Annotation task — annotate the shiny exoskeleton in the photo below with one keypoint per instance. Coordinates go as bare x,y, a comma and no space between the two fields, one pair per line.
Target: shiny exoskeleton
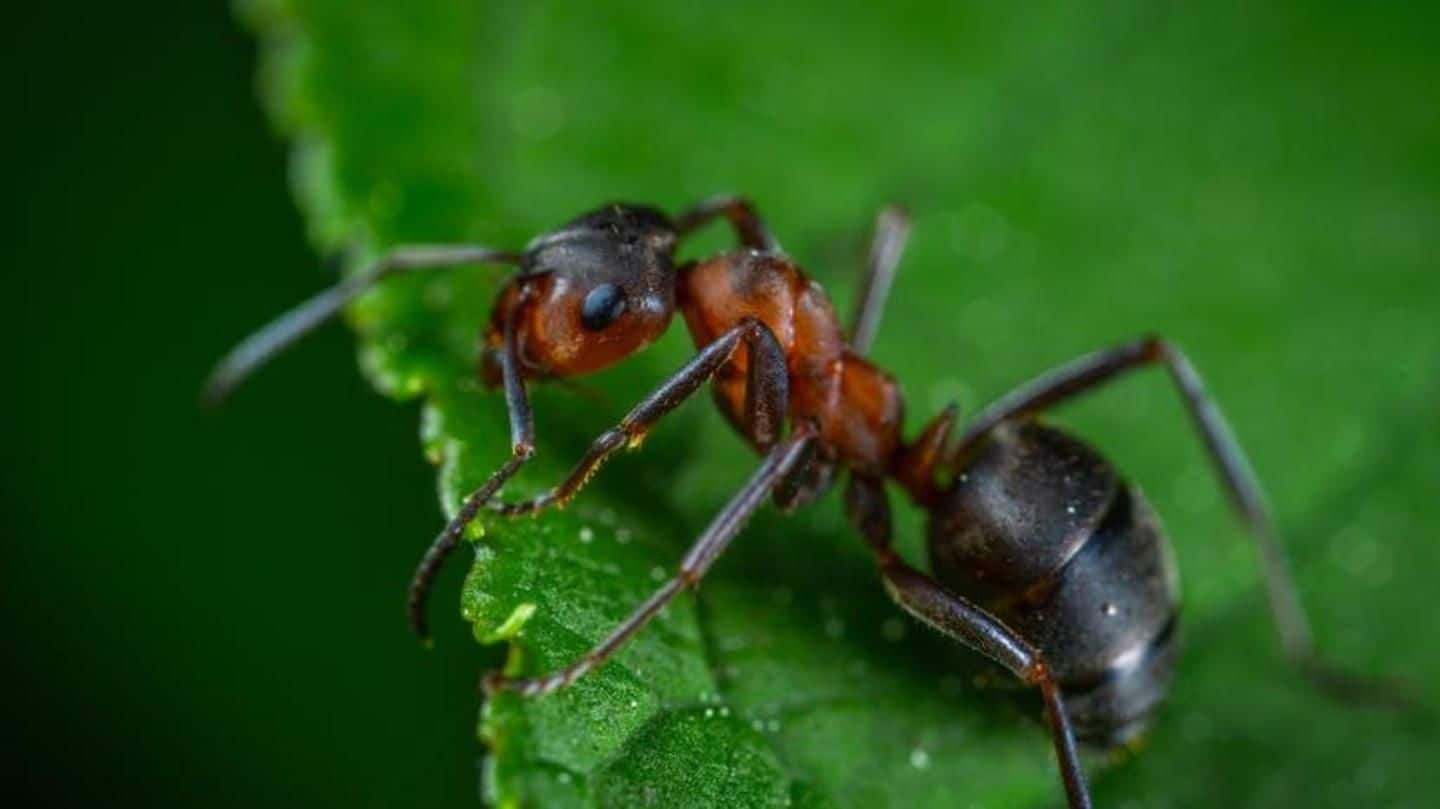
1043,559
1042,531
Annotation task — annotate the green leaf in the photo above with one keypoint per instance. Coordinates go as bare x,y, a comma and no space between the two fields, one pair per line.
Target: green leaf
1077,177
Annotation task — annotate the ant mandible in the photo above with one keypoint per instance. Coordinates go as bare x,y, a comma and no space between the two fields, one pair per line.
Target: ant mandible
1044,559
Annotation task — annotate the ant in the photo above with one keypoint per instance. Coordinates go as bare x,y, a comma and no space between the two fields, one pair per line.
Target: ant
1043,558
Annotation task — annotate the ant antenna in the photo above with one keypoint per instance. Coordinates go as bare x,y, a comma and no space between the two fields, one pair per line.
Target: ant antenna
287,329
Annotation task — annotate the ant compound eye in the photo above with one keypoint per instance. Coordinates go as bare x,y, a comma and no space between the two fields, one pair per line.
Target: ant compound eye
604,303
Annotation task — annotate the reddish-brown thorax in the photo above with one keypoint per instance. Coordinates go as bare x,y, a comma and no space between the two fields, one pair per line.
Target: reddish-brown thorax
856,407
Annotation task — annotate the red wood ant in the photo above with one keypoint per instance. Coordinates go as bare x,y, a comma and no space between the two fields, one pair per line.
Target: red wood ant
1044,559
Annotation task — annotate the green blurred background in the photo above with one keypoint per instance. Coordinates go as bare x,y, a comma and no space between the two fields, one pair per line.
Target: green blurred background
204,608
201,608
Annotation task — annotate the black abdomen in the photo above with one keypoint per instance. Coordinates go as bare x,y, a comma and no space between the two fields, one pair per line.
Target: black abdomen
1040,529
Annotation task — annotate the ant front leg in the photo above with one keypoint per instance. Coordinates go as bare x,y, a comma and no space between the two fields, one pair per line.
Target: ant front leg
522,446
750,229
283,332
702,554
766,399
956,617
1094,370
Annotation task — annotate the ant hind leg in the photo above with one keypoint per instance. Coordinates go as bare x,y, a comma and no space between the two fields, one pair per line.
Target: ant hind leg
1236,476
958,618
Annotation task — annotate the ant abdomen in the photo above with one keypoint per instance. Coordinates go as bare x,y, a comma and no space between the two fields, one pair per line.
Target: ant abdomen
1040,529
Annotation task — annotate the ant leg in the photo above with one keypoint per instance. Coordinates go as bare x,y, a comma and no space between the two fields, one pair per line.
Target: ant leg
807,482
703,553
284,331
522,447
892,230
915,469
956,617
1093,370
750,229
767,397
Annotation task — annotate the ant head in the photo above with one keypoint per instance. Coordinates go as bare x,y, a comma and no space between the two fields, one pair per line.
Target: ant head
599,288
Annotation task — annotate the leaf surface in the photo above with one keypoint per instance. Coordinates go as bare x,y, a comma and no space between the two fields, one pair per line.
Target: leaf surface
1077,178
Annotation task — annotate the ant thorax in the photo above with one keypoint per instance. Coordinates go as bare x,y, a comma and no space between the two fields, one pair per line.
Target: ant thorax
855,406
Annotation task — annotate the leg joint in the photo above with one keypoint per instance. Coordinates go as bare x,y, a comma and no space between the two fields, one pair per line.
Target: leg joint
1037,673
752,327
616,437
1154,347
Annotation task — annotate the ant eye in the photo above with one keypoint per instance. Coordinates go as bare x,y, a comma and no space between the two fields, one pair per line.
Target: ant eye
604,303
